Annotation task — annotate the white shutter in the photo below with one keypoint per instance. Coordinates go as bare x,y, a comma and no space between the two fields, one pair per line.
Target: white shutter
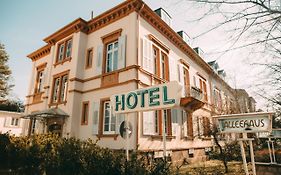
8,121
148,122
99,56
96,106
174,122
173,69
119,119
122,52
147,61
181,78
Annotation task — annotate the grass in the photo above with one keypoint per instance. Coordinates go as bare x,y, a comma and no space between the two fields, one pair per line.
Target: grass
212,167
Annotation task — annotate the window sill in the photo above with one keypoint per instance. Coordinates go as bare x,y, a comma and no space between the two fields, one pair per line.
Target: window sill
57,103
63,61
84,124
114,136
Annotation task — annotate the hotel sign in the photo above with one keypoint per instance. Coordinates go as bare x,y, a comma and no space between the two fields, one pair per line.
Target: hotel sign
247,122
162,96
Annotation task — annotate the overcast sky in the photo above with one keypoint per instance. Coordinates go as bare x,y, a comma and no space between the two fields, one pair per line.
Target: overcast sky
24,23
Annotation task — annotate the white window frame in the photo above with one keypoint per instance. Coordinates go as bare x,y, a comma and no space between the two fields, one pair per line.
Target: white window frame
111,117
114,57
64,82
68,48
39,81
61,52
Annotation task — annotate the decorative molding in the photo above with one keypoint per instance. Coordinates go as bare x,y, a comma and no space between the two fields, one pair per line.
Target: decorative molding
41,66
159,43
75,26
41,52
104,87
105,74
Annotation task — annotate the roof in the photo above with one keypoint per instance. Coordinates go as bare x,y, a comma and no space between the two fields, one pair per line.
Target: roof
47,113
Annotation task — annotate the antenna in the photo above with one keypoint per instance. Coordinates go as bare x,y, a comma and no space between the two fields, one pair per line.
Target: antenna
92,14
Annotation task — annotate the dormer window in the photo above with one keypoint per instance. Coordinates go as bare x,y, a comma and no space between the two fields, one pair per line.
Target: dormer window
164,15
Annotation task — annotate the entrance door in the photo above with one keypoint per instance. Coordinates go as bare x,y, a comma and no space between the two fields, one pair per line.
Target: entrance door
55,128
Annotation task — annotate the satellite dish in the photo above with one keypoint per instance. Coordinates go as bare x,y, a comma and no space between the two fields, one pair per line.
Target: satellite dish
124,128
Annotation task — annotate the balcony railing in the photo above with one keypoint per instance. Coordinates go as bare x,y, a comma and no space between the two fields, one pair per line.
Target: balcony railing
195,92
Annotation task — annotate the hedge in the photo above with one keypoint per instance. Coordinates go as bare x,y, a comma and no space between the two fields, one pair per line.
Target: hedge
53,155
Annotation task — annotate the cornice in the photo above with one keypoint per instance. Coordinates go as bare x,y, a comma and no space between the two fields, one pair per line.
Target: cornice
75,26
43,51
153,19
113,14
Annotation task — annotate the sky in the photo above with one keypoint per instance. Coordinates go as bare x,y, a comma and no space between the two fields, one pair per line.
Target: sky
24,24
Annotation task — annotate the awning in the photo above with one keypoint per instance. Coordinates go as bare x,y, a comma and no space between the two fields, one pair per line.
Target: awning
191,104
47,113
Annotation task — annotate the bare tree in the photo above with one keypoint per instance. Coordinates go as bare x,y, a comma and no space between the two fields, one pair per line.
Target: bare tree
254,25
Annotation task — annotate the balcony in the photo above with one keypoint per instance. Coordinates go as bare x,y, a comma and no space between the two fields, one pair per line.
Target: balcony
193,101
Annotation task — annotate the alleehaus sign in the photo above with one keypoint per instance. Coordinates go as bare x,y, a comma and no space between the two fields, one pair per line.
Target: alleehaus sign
248,122
162,96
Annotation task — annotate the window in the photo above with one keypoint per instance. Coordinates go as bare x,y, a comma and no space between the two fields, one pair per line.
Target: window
206,127
60,88
15,122
56,89
167,122
89,58
203,88
164,66
64,50
61,52
156,61
186,81
33,125
218,99
68,48
109,120
114,51
85,113
63,88
156,122
112,56
39,82
39,78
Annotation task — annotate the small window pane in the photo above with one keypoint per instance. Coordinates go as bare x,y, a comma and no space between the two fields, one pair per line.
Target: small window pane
61,52
115,60
68,48
63,88
56,89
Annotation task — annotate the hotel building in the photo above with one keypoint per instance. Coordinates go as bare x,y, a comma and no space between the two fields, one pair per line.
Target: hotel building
123,49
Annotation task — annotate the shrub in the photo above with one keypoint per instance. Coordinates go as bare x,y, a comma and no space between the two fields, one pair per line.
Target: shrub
70,156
